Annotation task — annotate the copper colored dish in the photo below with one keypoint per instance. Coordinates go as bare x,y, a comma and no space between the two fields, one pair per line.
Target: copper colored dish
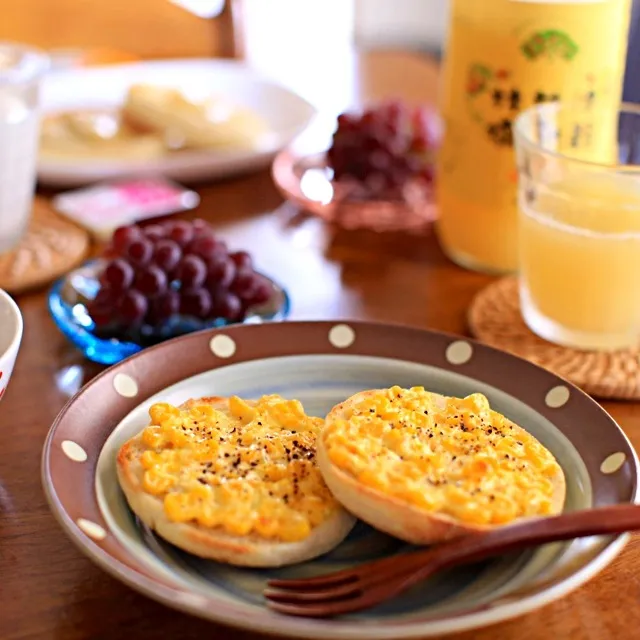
307,181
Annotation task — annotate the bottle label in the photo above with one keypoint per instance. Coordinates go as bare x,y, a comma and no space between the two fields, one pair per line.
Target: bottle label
494,70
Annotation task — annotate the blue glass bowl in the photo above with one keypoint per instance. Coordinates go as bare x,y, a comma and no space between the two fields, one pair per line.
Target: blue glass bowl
67,304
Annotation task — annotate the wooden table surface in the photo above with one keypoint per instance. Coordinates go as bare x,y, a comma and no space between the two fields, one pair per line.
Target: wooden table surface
48,590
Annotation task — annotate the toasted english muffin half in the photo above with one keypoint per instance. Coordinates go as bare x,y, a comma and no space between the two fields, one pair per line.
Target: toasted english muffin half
426,468
232,480
214,123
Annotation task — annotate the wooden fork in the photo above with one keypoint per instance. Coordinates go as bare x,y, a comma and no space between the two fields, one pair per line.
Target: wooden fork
374,582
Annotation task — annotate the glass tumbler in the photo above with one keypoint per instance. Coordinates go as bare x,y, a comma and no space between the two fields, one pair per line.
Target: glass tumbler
579,223
21,69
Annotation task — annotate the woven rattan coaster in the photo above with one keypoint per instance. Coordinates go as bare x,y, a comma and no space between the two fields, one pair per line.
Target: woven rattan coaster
51,247
495,319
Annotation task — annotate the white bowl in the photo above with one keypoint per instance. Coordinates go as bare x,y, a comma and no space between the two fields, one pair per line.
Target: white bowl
10,337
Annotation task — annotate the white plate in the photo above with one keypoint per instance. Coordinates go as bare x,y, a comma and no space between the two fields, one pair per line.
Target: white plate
287,114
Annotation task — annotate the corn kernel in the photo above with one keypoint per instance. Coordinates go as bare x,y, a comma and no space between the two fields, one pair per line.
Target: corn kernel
157,482
162,412
240,409
153,437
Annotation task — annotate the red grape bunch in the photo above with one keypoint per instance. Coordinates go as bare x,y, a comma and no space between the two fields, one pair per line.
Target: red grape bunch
385,147
174,270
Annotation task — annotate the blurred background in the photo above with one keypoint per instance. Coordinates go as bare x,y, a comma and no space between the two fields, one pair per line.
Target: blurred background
261,30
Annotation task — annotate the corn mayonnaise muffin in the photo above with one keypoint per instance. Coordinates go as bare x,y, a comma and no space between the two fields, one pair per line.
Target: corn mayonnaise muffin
233,480
425,468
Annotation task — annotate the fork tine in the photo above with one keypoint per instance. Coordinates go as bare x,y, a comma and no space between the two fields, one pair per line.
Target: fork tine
354,601
315,611
328,588
351,601
394,563
320,595
334,579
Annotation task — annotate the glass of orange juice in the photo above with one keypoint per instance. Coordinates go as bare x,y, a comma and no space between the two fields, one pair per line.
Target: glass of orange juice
579,223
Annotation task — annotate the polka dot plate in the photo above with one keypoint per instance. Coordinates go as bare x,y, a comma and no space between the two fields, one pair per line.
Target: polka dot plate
322,363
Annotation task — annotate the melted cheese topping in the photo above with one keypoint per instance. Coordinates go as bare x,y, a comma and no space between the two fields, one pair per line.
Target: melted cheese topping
249,470
464,460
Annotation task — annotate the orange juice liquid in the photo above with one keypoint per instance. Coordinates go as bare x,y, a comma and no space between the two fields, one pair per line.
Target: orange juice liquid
503,56
580,262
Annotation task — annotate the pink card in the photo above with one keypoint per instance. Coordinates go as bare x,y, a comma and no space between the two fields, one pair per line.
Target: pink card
102,208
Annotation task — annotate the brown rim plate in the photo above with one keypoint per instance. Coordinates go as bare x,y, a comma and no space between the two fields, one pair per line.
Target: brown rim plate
321,363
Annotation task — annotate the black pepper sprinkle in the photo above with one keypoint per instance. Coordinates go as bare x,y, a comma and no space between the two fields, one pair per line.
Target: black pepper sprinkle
202,481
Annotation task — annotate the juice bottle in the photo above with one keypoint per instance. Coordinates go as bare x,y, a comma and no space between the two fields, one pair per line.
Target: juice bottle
503,56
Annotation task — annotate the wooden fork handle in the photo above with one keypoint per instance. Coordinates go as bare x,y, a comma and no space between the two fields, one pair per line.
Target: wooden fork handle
578,524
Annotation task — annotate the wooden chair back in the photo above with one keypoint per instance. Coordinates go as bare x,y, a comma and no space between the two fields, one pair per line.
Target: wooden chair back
140,28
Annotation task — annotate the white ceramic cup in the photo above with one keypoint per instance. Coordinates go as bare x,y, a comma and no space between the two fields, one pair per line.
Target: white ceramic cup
10,337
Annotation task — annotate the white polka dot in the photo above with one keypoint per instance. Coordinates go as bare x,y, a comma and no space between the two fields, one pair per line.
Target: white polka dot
222,346
92,529
342,336
613,463
459,352
557,397
125,385
73,451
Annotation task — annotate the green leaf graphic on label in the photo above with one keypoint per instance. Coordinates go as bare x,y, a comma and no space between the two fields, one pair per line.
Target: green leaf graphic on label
551,44
477,79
